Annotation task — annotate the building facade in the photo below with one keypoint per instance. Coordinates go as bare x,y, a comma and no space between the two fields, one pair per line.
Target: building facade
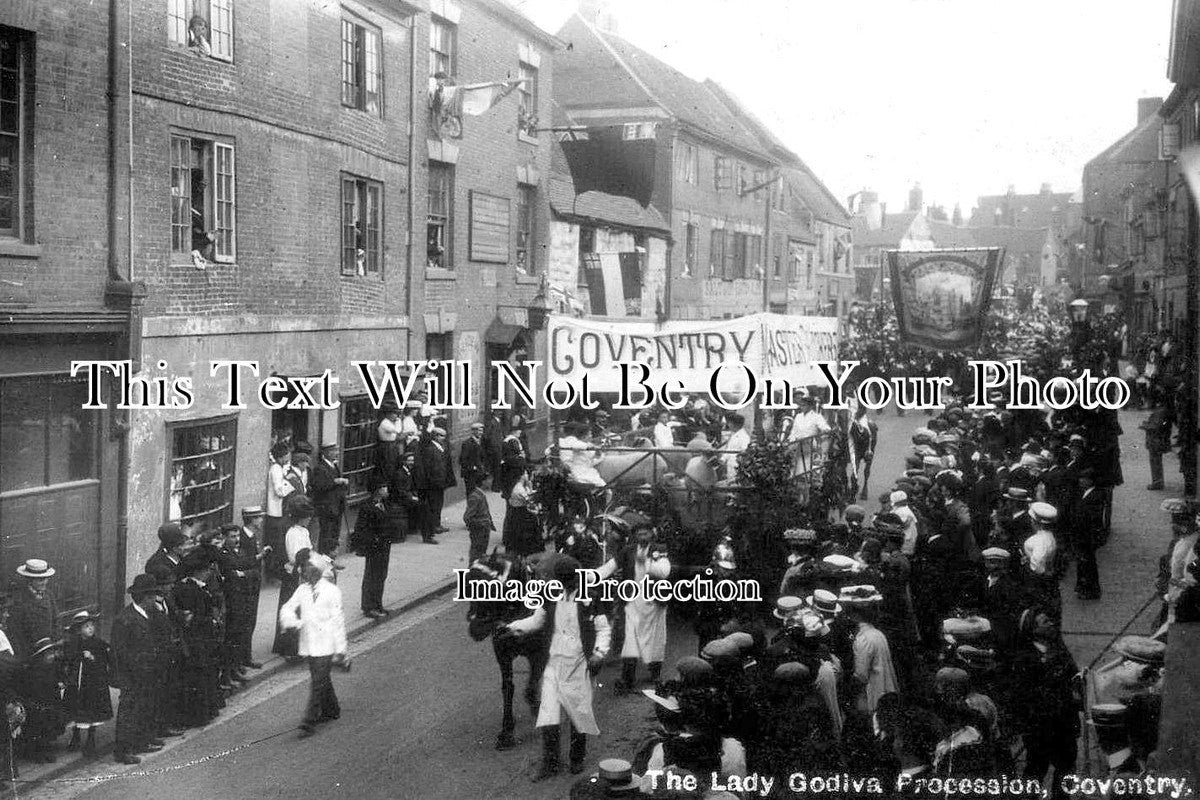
65,295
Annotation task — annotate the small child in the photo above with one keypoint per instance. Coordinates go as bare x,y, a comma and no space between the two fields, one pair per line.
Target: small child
86,664
39,685
478,519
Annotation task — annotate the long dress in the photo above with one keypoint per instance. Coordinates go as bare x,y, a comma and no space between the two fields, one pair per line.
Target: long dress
645,623
87,699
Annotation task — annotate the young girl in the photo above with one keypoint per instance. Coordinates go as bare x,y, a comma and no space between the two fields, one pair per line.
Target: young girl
86,663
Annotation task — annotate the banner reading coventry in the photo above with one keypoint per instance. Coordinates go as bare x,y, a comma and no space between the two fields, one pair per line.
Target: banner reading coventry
772,345
942,296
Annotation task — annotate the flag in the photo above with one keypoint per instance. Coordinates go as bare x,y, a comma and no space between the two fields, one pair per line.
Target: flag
941,297
476,98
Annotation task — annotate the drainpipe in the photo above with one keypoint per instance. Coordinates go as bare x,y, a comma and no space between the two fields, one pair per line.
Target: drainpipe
412,184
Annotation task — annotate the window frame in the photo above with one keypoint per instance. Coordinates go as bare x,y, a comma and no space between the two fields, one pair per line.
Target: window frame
220,212
716,255
360,206
226,510
357,471
444,219
691,236
687,163
450,54
47,386
722,169
526,227
527,99
220,36
357,74
21,136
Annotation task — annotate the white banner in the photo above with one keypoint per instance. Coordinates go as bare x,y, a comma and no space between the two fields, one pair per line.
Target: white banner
772,345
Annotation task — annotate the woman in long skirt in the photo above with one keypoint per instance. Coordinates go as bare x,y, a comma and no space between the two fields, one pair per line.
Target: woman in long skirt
299,511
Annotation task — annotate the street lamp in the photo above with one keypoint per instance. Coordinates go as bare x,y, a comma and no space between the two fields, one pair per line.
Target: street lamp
539,308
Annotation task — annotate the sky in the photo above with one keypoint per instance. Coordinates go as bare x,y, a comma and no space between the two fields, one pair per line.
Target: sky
964,96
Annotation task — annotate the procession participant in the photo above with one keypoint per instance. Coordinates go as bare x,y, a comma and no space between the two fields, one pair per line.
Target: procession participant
477,517
329,498
299,511
645,637
712,617
471,458
578,642
239,570
734,445
372,540
172,545
136,663
864,438
522,534
278,488
664,434
434,475
87,661
1087,520
315,610
33,614
514,459
578,457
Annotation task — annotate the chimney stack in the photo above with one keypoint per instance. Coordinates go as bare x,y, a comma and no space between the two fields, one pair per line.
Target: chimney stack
1148,107
868,206
916,198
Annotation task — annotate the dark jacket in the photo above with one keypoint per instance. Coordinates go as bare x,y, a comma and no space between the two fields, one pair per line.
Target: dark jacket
328,497
1087,518
477,515
513,461
471,465
31,619
135,659
372,532
435,467
161,563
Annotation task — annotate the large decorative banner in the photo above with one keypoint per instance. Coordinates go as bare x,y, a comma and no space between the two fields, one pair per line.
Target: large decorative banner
942,296
771,345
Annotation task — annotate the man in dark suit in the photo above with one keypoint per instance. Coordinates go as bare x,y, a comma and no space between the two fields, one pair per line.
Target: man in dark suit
493,440
327,488
435,475
135,669
33,615
1088,529
514,459
240,569
470,458
172,543
1004,597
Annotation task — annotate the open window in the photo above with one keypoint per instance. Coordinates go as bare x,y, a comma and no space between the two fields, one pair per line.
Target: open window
204,26
203,199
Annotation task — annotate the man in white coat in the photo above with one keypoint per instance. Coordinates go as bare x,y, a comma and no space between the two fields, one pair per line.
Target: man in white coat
316,609
579,640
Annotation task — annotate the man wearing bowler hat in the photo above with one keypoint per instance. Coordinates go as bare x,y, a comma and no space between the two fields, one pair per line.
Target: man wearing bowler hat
328,491
34,613
172,544
135,672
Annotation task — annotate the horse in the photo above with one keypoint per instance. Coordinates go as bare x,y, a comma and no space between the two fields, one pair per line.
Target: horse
489,618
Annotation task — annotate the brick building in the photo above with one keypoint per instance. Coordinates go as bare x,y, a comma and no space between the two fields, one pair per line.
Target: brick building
65,295
482,184
272,192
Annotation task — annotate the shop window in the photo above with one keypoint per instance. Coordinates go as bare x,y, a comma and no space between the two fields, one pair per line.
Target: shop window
205,26
202,457
203,199
359,421
362,247
443,47
439,228
46,437
362,65
15,132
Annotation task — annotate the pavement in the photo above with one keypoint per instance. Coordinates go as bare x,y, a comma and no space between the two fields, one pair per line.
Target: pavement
421,705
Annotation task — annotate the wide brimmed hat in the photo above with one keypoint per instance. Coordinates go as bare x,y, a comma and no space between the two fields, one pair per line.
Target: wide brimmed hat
1018,494
824,602
145,584
839,563
1043,512
617,775
44,644
1109,713
35,568
81,617
1141,649
251,512
860,595
976,657
996,554
787,606
720,649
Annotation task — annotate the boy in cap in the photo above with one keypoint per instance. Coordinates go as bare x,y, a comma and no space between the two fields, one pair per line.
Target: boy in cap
136,664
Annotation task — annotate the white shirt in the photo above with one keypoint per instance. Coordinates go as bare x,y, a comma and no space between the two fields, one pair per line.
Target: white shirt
663,435
277,489
910,529
739,440
1039,551
388,431
806,425
317,611
294,541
